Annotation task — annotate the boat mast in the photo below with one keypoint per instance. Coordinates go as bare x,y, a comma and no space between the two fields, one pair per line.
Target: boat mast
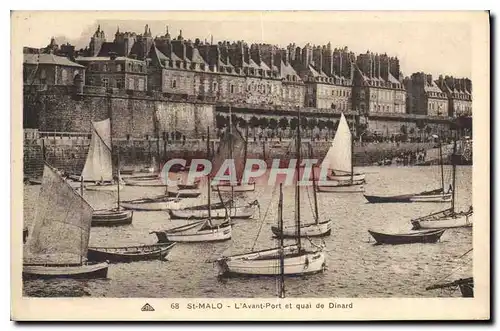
209,184
297,190
282,253
118,180
352,150
231,148
316,213
454,168
441,163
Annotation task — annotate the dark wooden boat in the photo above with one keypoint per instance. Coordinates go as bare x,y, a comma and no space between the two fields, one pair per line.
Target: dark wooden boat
112,217
430,236
32,181
466,286
129,253
195,185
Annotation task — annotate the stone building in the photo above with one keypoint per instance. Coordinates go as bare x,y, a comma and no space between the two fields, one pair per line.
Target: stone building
378,87
327,75
50,69
118,64
424,96
459,92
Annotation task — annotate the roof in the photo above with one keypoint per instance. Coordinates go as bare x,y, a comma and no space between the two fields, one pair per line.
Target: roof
287,69
432,88
111,47
105,58
49,59
196,57
393,79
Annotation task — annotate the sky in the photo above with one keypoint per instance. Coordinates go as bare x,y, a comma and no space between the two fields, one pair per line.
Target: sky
432,44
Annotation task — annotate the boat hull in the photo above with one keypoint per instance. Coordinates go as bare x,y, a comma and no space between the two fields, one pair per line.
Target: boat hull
411,238
129,254
307,230
85,271
467,289
184,193
149,182
408,198
195,234
220,213
144,205
301,264
112,217
333,187
357,178
462,221
103,187
235,188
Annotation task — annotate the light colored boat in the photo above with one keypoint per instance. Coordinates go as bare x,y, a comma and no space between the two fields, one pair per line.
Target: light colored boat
431,198
443,220
448,218
306,230
219,212
284,260
337,170
153,204
182,193
268,262
149,182
202,231
112,187
57,243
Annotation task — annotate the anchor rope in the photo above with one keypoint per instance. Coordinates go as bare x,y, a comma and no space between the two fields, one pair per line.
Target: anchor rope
265,215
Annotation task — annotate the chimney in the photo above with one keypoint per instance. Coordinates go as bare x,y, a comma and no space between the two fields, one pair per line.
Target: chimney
429,80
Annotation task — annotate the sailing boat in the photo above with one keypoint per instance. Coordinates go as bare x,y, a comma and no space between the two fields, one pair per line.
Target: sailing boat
316,228
338,164
99,165
466,285
233,143
285,260
447,218
57,244
437,195
219,210
201,231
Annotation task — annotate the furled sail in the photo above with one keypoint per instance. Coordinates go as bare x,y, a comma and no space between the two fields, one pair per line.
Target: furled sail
99,165
231,141
60,232
338,157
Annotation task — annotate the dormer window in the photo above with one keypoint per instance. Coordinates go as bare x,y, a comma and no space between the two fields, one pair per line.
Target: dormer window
214,86
174,83
202,67
118,67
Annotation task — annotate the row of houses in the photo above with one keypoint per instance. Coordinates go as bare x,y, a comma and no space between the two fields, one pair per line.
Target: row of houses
319,77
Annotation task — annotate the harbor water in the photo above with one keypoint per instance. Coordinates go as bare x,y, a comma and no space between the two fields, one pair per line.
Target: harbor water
355,266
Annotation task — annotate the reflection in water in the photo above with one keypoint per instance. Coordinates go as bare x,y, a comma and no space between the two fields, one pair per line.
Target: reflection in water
355,267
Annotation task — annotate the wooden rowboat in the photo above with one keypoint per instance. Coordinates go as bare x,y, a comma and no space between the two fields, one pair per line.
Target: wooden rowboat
129,253
201,231
150,204
426,196
112,217
430,236
182,193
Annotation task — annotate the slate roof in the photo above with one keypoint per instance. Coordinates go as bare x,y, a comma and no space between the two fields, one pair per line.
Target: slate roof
49,59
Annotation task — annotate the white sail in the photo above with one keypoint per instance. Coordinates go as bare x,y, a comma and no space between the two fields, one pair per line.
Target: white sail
338,157
99,165
61,230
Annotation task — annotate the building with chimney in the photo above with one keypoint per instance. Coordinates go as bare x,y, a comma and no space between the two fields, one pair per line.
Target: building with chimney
425,97
459,92
378,86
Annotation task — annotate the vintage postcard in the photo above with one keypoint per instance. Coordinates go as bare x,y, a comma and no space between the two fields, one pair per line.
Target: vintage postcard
250,166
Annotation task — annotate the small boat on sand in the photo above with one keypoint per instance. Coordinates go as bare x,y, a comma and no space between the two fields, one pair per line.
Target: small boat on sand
427,196
430,236
182,193
112,217
129,253
161,202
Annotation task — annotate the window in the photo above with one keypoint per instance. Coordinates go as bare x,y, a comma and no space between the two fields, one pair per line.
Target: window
214,86
130,67
105,82
131,85
119,83
231,88
64,76
104,67
174,83
141,84
91,81
118,67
